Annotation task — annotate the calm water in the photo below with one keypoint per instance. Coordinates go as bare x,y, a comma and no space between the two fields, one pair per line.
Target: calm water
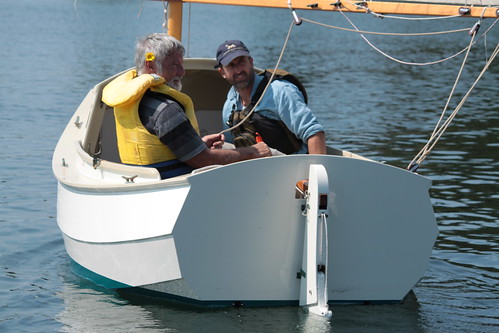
52,54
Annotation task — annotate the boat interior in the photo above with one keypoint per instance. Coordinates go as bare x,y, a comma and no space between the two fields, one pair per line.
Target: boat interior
202,83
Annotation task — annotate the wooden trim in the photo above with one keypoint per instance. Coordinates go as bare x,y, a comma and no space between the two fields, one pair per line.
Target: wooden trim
376,6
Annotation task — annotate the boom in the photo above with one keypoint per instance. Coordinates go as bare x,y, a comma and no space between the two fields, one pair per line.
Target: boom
429,8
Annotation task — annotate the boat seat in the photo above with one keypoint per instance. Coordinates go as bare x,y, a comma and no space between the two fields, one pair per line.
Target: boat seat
109,144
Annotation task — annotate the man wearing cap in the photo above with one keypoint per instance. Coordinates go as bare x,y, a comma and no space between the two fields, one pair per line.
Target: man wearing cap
283,117
155,123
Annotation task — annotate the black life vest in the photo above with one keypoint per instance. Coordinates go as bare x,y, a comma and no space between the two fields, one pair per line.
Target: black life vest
273,132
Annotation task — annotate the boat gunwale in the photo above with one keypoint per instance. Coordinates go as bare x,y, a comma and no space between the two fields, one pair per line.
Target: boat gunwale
100,186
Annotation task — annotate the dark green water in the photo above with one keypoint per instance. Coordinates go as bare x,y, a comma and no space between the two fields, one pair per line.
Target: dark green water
54,51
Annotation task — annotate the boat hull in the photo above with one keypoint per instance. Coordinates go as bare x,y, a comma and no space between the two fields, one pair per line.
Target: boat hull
234,233
238,234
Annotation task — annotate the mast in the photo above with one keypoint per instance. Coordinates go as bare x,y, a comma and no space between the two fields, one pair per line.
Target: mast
175,18
482,8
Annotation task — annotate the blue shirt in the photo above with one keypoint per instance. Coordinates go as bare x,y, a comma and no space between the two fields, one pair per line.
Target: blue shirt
282,101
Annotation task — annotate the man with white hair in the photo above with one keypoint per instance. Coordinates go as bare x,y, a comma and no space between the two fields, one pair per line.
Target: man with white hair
155,122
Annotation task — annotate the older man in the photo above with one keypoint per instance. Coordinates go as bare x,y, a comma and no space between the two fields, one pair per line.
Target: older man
155,122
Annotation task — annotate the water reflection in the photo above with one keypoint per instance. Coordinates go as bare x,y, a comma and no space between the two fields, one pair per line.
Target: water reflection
91,309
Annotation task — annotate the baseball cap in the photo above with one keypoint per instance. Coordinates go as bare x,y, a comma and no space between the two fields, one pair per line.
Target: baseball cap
230,50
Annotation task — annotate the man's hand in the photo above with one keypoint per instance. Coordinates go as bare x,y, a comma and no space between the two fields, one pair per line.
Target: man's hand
214,141
262,149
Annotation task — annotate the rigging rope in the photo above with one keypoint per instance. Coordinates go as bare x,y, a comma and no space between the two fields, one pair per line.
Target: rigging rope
438,131
189,31
76,10
165,15
361,32
440,127
414,63
386,33
140,9
326,244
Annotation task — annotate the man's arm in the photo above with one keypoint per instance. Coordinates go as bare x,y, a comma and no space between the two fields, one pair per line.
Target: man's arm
317,143
176,132
298,117
227,156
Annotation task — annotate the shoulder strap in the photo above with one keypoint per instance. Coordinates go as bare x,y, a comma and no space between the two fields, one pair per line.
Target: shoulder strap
260,88
280,74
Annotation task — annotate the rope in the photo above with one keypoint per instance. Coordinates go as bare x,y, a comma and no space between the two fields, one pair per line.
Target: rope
76,10
412,63
385,33
440,127
189,31
361,32
165,15
438,131
268,83
140,9
326,259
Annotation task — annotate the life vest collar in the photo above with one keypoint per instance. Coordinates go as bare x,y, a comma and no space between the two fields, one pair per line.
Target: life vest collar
128,88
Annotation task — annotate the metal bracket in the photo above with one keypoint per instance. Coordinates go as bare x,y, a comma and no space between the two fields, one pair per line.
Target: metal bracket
361,5
96,161
77,122
464,11
129,179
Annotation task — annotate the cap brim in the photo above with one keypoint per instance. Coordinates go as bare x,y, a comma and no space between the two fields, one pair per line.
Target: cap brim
233,55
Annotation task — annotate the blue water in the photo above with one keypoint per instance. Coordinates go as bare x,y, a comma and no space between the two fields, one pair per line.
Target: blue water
54,51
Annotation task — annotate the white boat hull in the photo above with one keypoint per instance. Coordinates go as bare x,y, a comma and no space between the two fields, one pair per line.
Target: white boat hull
235,233
239,232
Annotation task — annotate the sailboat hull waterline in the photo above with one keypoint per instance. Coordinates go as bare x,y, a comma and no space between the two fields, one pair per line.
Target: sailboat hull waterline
235,234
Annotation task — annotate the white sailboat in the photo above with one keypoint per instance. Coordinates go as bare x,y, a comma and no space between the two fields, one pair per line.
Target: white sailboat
362,232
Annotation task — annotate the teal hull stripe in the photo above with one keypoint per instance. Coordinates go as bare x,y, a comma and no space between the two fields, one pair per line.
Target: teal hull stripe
96,278
127,290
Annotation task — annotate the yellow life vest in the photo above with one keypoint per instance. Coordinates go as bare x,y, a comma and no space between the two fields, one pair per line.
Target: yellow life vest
135,144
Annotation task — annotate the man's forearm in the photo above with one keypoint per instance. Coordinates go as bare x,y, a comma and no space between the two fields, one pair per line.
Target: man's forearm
317,143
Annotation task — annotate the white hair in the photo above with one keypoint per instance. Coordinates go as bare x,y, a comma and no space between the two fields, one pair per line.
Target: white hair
161,45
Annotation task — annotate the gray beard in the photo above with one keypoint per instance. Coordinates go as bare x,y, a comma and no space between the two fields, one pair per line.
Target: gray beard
242,85
177,87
